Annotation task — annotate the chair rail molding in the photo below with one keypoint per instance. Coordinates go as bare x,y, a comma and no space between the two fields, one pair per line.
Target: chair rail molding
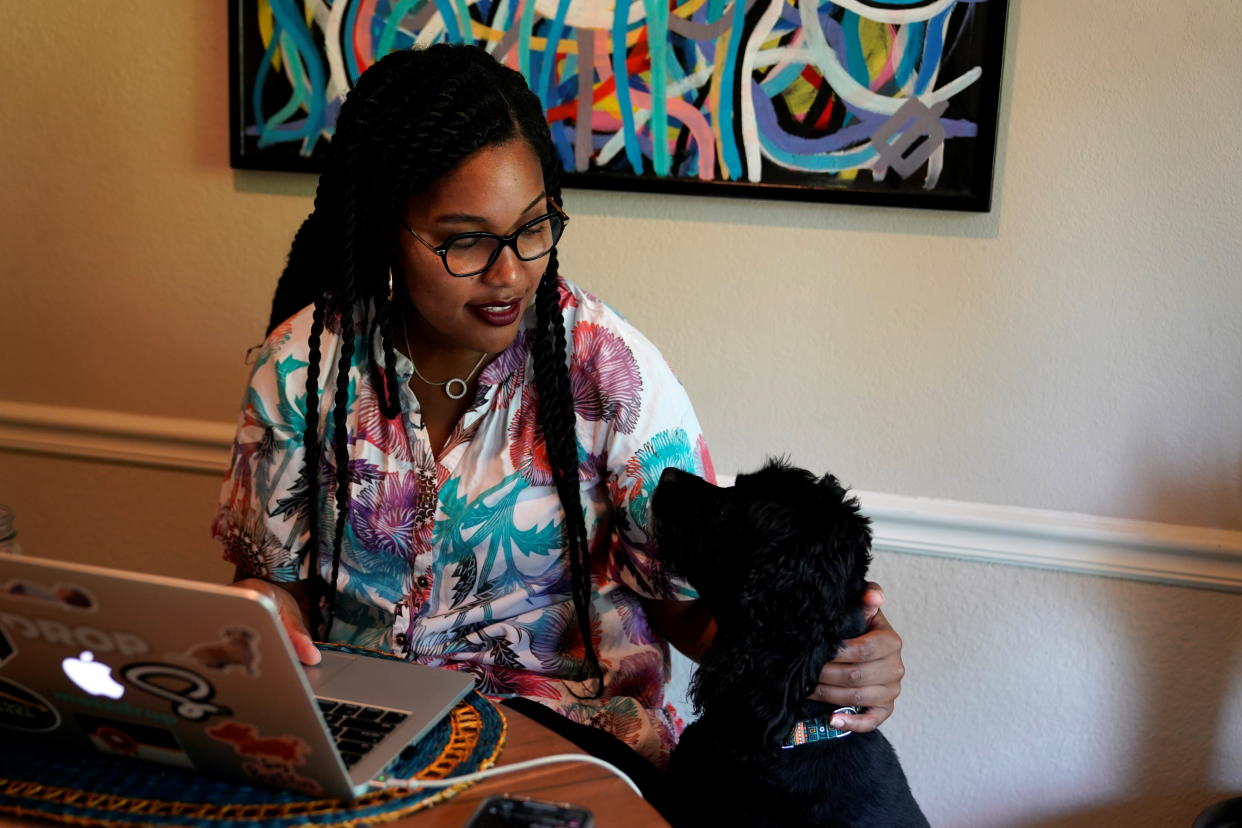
134,439
1086,544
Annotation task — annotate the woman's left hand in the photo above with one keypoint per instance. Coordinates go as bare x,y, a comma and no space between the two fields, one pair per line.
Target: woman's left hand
866,673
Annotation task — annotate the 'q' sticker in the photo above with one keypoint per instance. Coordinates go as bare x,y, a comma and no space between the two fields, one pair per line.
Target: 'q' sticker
191,701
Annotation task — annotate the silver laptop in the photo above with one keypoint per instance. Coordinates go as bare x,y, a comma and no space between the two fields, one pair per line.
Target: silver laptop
200,676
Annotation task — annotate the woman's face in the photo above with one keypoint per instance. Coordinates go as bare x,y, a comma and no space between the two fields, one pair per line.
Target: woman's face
496,189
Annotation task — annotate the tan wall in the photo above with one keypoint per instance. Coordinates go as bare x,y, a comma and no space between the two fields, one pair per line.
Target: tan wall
1076,349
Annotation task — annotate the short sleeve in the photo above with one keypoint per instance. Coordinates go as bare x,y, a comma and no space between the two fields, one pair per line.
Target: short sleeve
262,519
620,379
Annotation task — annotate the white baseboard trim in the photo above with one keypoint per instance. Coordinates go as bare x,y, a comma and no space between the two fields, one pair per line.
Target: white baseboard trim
1087,544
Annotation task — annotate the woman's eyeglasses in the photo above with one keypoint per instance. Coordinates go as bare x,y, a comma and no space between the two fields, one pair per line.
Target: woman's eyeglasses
469,254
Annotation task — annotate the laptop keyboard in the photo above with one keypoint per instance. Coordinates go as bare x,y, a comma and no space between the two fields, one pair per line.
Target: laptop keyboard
357,728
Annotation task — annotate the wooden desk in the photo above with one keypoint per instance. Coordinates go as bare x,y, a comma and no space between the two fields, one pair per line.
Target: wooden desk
610,799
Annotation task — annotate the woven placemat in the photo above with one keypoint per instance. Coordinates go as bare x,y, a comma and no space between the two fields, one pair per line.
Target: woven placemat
99,789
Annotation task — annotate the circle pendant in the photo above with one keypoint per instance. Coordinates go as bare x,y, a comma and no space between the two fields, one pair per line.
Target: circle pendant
458,385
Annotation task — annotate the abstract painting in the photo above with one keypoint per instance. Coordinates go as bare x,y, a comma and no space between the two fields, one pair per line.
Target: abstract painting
889,102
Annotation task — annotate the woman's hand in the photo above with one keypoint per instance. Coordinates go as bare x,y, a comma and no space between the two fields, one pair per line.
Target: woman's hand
866,673
290,615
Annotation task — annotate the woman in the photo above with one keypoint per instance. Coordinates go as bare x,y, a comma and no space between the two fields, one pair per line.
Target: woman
486,434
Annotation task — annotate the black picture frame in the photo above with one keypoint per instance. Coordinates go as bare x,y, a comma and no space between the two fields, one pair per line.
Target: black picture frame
961,129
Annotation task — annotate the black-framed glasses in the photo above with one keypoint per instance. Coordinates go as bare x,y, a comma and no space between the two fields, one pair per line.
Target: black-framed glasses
469,254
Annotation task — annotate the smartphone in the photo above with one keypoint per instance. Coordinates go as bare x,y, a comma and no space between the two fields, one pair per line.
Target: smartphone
509,811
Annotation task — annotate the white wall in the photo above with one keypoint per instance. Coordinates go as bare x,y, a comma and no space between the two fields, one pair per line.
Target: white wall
1077,349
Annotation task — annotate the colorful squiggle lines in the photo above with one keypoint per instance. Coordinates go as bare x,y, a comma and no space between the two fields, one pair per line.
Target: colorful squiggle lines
706,89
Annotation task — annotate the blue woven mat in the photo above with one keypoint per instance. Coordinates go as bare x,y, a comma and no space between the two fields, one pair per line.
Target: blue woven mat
100,789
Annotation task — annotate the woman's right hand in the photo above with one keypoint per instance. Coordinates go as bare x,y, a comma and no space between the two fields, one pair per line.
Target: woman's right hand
290,615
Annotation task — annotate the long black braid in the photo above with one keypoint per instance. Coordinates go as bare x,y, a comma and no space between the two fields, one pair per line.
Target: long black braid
410,119
556,411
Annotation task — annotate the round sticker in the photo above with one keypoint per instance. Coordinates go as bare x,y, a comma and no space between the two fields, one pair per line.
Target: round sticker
24,709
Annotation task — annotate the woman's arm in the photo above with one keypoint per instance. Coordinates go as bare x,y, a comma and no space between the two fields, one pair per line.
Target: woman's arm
262,521
687,625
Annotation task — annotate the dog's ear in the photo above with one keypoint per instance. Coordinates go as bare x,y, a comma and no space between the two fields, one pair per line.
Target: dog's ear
797,596
757,691
776,713
808,580
803,597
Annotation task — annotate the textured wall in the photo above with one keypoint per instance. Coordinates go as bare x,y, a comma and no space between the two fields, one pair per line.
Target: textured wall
1045,699
1076,349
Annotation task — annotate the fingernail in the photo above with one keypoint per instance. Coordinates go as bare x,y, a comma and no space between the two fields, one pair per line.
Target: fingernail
837,722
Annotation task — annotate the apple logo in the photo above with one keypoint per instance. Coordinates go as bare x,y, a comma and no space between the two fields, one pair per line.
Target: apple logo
92,676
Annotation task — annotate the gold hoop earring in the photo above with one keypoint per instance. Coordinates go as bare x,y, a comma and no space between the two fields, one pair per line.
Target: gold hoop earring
390,285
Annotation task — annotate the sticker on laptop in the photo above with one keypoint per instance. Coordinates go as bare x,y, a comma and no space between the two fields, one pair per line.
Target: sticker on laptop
77,636
24,709
235,650
115,707
268,759
69,595
189,693
7,648
136,741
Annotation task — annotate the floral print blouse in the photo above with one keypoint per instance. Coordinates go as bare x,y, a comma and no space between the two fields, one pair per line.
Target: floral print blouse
456,561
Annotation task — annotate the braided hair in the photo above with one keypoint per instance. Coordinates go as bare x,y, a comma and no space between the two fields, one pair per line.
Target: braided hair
411,118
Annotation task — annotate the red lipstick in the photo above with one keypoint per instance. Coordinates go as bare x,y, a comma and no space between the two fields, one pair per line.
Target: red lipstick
499,314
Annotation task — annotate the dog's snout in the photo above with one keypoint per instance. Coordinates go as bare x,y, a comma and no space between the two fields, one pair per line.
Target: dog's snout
672,474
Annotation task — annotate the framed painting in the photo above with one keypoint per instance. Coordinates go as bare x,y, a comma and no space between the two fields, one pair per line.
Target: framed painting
890,102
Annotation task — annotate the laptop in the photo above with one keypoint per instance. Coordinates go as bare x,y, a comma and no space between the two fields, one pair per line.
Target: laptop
200,676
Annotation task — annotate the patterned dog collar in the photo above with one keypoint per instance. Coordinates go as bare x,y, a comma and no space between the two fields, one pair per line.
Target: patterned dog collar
806,731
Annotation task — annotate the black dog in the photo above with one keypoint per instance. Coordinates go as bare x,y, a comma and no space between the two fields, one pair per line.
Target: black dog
780,559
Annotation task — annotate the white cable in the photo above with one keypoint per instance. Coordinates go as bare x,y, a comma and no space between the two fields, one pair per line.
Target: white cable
416,784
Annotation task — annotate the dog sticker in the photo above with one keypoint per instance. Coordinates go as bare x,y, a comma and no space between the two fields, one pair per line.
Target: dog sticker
24,709
236,650
189,692
135,741
268,759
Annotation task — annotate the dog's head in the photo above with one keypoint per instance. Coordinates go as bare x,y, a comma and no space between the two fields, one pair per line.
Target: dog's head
781,560
242,634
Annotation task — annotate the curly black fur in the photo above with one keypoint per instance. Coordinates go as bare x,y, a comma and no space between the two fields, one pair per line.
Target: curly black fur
781,560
